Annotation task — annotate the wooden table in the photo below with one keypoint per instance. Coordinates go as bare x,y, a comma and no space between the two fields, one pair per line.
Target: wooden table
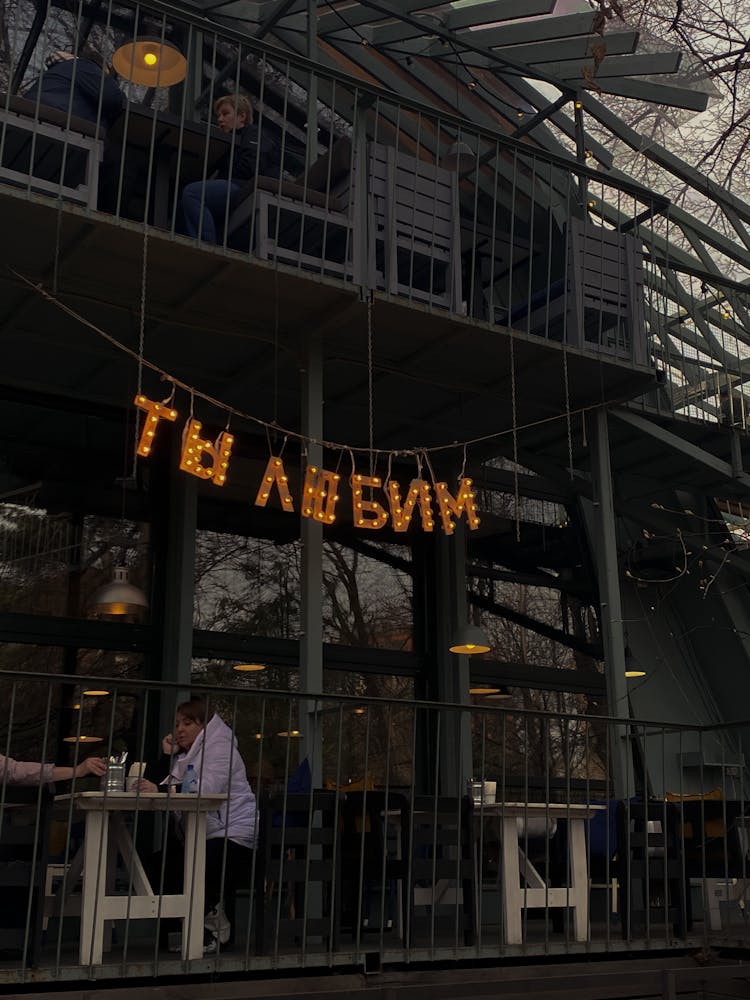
535,891
107,835
182,151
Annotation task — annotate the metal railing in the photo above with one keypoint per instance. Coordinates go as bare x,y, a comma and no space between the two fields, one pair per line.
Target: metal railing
384,832
386,193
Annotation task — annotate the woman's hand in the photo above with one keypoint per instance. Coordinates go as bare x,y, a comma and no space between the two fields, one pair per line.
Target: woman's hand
92,765
168,745
144,785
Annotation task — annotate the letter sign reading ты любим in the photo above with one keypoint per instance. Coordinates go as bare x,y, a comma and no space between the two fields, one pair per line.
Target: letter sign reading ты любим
209,460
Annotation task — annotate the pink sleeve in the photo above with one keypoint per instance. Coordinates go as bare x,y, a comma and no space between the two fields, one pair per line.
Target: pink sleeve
21,772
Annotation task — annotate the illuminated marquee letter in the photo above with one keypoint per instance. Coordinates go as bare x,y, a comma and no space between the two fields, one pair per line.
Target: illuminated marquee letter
419,493
319,494
154,413
195,448
450,506
361,507
275,474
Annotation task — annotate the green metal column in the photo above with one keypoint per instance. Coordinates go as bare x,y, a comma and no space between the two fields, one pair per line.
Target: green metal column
605,549
312,88
311,643
177,551
452,671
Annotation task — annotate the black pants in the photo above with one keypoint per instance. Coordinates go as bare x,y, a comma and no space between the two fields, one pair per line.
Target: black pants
235,867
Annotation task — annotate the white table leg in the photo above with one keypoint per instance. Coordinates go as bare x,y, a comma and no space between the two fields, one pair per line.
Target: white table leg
579,879
96,850
512,894
194,883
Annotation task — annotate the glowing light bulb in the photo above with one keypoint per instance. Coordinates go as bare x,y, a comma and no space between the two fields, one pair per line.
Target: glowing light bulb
150,58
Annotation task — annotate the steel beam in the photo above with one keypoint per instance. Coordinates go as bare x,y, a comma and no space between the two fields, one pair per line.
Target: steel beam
604,545
311,577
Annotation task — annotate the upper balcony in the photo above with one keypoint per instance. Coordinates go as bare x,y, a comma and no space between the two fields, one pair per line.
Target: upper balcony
517,276
485,252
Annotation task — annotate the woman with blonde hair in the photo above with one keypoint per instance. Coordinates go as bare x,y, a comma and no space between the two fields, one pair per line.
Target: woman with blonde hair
205,204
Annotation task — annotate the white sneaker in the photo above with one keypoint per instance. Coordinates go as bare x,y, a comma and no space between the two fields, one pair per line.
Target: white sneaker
218,926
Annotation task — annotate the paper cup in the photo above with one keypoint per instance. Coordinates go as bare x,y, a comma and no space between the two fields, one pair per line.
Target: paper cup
136,772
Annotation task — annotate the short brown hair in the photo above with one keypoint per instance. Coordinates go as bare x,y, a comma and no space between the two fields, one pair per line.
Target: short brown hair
194,709
239,102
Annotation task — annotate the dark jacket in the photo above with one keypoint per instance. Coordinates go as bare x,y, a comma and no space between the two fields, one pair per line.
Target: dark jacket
245,156
84,77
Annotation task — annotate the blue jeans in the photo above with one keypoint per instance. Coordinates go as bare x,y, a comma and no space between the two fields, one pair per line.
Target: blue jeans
214,196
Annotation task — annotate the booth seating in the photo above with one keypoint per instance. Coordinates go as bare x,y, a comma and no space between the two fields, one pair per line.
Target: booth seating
650,869
305,221
296,879
440,872
596,304
605,291
395,225
48,151
714,839
372,861
416,221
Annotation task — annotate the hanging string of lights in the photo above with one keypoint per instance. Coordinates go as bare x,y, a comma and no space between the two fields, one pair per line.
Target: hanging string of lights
417,452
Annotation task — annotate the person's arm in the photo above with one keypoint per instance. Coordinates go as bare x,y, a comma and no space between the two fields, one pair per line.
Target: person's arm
270,159
23,772
245,153
153,779
92,765
88,79
212,764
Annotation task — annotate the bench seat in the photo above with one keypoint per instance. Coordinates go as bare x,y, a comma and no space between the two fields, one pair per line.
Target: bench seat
46,150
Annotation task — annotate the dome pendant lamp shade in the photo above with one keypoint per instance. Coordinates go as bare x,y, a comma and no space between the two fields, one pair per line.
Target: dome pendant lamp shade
150,62
120,598
632,667
459,157
469,640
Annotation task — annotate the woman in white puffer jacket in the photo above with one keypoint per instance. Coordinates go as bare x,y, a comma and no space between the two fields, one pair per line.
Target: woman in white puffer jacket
219,768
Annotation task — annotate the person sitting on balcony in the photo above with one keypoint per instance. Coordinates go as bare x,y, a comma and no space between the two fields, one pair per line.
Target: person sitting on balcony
212,751
22,772
205,204
79,84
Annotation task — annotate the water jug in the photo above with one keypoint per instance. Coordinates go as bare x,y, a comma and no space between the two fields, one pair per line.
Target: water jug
114,779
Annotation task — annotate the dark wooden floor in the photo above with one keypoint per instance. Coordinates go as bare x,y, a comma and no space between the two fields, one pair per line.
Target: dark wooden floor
703,975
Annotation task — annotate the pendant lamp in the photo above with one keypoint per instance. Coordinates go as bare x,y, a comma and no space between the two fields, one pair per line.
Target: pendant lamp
469,640
120,598
632,667
501,695
459,157
150,61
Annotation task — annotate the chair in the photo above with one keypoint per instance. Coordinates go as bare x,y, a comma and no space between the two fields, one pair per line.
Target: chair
439,871
415,216
651,868
49,151
371,859
298,863
23,859
714,842
305,221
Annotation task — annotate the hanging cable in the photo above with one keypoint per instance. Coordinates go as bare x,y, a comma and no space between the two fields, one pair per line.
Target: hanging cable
141,346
